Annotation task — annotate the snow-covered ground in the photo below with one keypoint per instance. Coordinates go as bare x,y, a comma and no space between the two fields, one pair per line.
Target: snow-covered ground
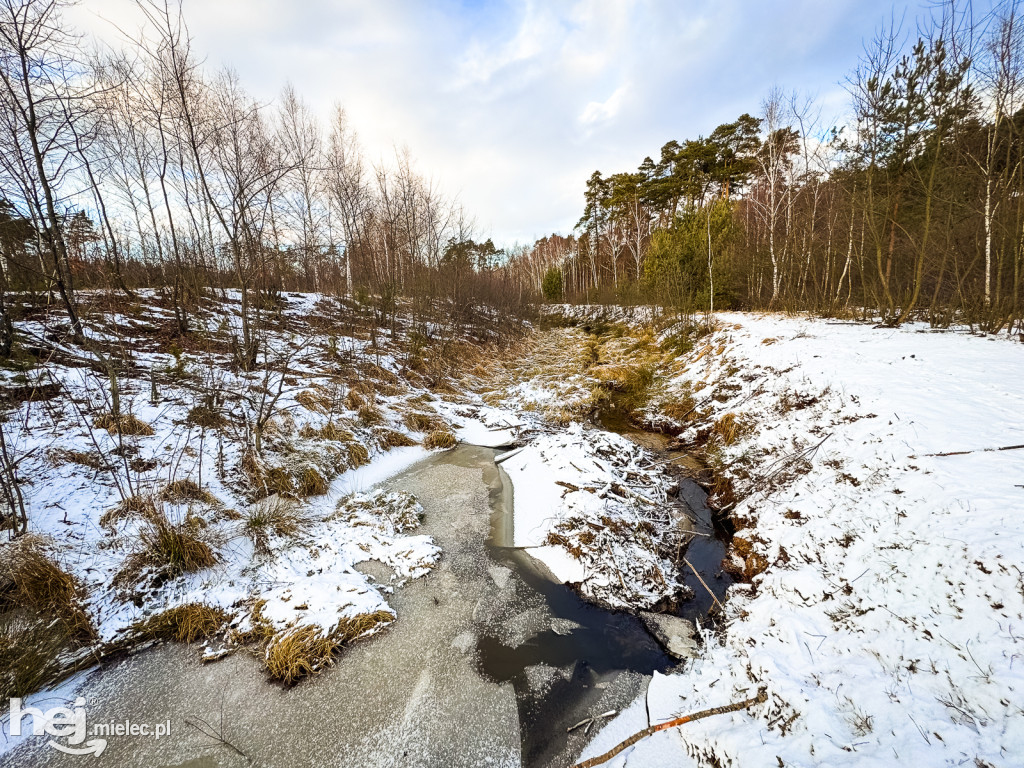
340,404
885,613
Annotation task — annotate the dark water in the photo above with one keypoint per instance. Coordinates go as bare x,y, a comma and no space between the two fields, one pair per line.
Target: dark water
605,657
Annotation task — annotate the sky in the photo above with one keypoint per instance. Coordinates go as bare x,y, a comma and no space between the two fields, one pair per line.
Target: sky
510,105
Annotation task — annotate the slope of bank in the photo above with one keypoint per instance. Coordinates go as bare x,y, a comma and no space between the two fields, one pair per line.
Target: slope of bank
879,536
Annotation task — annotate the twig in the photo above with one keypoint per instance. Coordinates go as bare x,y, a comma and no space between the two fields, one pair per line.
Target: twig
704,584
761,697
978,450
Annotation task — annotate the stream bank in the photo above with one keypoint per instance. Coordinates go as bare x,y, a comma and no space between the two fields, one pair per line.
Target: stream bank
488,663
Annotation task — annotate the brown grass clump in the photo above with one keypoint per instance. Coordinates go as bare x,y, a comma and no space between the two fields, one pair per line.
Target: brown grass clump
125,424
317,399
353,627
185,490
312,483
390,438
330,431
683,409
278,516
358,454
300,652
177,548
305,650
29,651
730,428
91,459
205,417
266,481
354,401
420,422
184,623
140,504
31,580
369,415
440,438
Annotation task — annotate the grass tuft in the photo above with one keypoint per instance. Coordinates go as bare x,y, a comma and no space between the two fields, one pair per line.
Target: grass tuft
440,438
31,580
296,653
312,483
185,490
125,424
205,417
184,623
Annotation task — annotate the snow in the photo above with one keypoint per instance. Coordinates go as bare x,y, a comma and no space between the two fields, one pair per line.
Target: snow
889,624
304,576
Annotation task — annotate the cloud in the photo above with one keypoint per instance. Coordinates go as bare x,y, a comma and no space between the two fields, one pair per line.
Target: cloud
600,111
512,104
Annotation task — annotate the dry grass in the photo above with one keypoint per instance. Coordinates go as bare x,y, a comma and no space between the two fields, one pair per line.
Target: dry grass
330,431
421,422
318,399
184,623
61,456
390,438
300,652
205,417
296,653
358,455
142,505
354,401
31,580
440,438
370,415
173,549
29,649
731,428
311,483
185,490
277,515
125,424
266,481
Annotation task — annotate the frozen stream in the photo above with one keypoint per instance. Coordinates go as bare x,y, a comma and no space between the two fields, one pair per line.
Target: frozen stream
487,664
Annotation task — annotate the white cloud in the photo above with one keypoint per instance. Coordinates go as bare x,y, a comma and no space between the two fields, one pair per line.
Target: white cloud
511,104
600,111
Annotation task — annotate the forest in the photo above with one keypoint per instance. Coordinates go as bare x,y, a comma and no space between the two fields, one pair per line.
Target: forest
911,209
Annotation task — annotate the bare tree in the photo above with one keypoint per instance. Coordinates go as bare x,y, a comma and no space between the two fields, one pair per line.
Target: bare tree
38,105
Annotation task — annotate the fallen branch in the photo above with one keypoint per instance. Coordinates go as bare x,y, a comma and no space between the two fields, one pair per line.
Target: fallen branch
652,729
978,450
507,455
704,584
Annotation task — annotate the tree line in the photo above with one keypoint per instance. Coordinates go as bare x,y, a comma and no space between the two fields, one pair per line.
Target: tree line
913,208
139,168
